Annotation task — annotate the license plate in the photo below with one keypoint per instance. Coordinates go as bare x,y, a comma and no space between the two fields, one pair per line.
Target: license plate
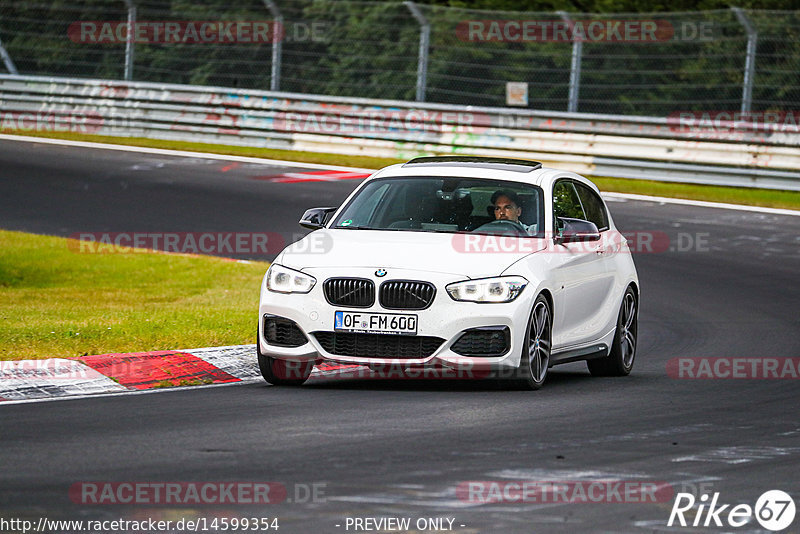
375,323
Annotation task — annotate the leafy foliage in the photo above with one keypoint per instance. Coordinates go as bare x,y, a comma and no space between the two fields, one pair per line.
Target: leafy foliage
371,49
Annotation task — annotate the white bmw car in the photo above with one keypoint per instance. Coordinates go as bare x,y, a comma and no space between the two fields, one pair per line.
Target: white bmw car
467,264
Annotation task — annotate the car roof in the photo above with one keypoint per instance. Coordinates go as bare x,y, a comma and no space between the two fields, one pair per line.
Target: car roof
495,168
481,162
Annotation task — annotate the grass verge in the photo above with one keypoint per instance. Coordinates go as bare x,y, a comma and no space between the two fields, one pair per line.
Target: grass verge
61,303
733,195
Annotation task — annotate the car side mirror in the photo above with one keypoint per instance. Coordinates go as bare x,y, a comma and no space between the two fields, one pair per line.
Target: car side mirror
573,230
315,218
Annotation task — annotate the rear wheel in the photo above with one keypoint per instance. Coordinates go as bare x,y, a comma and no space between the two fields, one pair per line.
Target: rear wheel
623,350
282,372
535,359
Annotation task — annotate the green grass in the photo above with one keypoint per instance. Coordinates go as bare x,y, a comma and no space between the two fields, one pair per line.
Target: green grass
732,195
57,302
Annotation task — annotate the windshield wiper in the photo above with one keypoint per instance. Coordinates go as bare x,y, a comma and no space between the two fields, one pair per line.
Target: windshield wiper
367,228
434,231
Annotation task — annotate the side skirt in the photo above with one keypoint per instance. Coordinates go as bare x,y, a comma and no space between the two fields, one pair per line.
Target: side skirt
586,353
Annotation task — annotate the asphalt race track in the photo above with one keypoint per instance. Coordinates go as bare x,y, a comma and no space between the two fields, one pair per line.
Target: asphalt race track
402,448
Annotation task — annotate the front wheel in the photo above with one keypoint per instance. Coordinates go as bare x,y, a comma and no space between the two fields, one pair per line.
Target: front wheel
535,358
281,372
623,350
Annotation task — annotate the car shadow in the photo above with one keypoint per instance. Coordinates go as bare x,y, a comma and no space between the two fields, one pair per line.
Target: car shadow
370,381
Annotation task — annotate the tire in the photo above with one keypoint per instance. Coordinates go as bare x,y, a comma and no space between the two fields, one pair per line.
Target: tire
535,357
619,362
281,372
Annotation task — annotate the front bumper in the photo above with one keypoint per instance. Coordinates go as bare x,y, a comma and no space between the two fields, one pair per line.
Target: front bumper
444,318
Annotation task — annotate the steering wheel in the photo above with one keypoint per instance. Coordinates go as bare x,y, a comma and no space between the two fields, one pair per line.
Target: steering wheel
503,226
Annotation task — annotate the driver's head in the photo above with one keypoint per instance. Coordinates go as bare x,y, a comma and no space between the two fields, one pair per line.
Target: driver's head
506,206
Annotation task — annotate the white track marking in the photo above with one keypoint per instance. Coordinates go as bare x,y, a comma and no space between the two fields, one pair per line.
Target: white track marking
180,153
701,203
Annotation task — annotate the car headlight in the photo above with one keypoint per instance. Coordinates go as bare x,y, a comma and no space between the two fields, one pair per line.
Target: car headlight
499,289
285,280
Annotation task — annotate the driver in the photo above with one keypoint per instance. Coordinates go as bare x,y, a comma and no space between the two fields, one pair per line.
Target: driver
507,208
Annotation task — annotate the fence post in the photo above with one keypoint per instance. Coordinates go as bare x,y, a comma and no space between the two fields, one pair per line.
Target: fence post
750,59
574,67
129,42
10,67
277,45
424,45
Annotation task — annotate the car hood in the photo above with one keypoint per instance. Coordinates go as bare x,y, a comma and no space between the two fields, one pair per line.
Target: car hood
468,255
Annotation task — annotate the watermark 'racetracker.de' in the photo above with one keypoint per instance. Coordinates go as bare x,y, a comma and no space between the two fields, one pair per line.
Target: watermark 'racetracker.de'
728,121
638,242
40,121
725,367
193,32
366,122
209,493
564,492
228,244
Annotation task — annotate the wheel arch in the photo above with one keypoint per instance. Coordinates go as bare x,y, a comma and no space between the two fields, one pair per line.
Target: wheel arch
635,285
549,296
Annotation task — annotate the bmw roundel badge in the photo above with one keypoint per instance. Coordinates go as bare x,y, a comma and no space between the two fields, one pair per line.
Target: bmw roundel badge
380,272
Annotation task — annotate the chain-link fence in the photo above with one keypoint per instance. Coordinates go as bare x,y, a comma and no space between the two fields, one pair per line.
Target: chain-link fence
635,64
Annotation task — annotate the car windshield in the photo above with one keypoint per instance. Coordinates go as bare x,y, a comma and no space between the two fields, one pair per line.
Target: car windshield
444,204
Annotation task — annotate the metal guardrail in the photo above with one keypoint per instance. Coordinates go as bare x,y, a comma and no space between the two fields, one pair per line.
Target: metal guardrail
749,155
646,63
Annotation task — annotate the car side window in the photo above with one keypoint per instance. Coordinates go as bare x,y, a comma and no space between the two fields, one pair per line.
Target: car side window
593,206
566,202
